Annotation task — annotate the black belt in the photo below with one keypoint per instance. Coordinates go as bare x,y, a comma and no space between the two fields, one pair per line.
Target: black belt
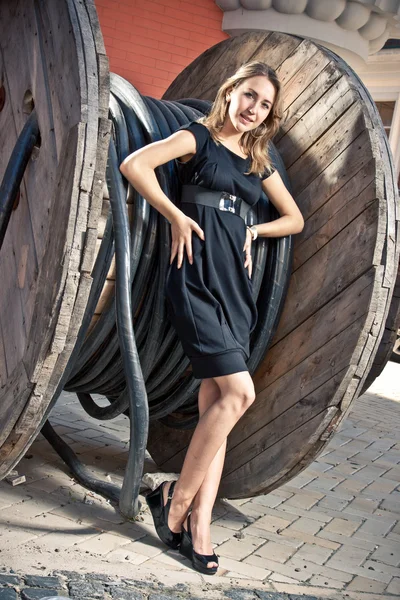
196,194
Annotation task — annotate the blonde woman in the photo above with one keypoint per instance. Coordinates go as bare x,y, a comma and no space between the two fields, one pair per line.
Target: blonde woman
223,164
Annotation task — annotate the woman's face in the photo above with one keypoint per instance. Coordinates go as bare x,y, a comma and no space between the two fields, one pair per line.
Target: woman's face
250,103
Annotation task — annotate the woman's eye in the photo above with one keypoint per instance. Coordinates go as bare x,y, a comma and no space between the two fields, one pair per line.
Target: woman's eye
249,94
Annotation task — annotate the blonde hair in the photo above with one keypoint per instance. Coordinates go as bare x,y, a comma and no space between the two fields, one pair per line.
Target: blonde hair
254,143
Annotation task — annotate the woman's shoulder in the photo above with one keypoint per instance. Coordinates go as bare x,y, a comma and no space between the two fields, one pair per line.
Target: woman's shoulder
200,132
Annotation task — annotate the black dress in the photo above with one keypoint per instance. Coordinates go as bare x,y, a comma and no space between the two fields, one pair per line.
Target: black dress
210,302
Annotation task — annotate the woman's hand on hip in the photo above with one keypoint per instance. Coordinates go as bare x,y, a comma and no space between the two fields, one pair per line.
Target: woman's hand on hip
248,263
182,228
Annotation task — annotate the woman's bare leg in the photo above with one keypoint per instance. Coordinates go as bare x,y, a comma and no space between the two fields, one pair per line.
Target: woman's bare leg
236,395
203,503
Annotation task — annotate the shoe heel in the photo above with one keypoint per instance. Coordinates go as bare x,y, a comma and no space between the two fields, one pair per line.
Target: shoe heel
154,502
186,547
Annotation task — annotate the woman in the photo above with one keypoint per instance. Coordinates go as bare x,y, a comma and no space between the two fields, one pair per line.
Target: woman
223,164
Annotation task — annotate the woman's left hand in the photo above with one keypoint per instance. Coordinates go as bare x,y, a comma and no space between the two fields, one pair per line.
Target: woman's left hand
248,263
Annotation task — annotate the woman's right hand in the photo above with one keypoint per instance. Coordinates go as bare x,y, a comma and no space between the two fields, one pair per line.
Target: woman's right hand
182,228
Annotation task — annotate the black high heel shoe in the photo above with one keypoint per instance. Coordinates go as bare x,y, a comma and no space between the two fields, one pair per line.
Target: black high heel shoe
160,512
199,561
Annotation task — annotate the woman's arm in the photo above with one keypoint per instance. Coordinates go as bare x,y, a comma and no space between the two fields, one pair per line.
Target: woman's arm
290,220
138,168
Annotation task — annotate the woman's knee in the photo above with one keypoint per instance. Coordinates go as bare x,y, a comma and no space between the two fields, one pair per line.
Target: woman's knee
238,392
245,398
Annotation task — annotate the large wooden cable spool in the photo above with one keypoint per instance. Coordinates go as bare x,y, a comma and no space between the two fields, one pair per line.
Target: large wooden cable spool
345,261
53,60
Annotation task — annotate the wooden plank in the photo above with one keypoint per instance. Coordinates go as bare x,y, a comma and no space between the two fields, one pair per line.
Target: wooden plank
322,326
295,61
334,215
296,108
304,77
14,394
336,174
316,446
267,467
11,309
337,139
329,271
285,424
315,122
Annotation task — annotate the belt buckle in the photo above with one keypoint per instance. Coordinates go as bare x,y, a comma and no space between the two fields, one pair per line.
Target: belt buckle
228,202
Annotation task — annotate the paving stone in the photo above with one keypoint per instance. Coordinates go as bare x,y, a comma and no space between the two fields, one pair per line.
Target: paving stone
8,594
38,593
295,573
388,554
305,525
9,579
125,593
270,595
333,503
301,565
249,569
324,483
41,581
314,554
91,589
273,551
361,584
303,501
342,526
321,581
271,500
311,539
350,555
369,473
315,515
271,523
296,597
103,543
164,597
219,534
148,546
282,579
394,587
353,486
278,538
240,548
362,505
374,527
374,565
240,594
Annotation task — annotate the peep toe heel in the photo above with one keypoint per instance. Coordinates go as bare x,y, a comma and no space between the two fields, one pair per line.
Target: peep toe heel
199,561
160,512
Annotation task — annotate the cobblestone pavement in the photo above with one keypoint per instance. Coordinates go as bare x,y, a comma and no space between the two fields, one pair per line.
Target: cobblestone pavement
331,532
74,585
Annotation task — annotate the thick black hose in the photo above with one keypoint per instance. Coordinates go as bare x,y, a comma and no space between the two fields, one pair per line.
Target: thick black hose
15,170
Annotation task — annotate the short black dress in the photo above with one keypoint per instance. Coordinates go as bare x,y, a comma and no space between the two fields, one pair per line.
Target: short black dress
210,302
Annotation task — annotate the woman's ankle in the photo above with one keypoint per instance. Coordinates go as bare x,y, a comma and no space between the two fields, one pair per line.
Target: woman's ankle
200,517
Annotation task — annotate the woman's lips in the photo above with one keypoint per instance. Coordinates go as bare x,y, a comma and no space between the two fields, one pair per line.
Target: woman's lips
245,119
